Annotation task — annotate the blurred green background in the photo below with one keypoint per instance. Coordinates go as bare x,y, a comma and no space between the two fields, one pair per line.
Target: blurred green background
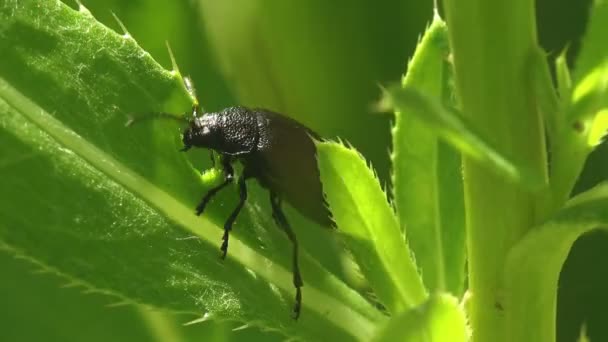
320,62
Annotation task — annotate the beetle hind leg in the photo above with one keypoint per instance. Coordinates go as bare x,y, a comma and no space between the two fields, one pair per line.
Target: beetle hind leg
281,220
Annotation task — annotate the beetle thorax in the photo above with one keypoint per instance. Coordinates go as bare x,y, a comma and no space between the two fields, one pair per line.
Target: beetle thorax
232,131
239,130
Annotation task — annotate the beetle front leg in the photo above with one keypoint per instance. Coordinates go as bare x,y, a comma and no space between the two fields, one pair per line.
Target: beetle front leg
229,177
281,220
233,215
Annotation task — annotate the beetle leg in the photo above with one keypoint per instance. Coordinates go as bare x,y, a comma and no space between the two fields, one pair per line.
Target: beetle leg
211,154
233,215
281,220
229,177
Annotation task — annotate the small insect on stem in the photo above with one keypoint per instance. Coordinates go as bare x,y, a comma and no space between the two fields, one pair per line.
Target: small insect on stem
277,151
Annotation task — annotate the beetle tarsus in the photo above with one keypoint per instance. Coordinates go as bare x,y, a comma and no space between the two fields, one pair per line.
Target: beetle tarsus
281,220
224,247
298,304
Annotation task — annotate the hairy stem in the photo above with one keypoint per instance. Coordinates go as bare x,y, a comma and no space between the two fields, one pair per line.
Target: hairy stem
491,43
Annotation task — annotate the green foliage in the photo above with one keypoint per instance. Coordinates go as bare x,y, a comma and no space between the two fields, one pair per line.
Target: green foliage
108,209
437,319
120,198
582,105
369,227
427,185
534,264
452,127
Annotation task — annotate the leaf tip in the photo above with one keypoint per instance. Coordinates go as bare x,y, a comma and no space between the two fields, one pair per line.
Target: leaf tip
383,104
174,65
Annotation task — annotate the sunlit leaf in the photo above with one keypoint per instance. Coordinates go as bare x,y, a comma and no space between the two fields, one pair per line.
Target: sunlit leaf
426,173
590,75
593,51
439,319
368,224
452,127
534,264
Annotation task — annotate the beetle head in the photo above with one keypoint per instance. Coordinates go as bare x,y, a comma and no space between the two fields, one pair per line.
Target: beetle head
203,131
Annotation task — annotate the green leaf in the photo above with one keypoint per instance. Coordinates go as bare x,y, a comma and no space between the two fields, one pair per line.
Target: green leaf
68,311
593,51
581,122
426,173
567,149
533,265
545,96
590,76
368,223
453,127
111,207
582,337
589,96
439,319
598,128
61,313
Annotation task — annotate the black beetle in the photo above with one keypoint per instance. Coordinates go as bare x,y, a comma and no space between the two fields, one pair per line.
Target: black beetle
277,151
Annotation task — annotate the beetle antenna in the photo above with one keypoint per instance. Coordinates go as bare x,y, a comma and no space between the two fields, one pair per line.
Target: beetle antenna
134,119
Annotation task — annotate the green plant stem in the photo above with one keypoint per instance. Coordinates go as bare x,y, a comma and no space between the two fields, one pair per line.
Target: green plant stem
491,43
